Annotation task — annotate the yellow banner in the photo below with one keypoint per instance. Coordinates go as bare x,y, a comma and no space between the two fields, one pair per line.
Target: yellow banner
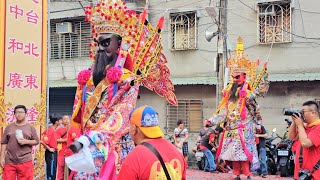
23,60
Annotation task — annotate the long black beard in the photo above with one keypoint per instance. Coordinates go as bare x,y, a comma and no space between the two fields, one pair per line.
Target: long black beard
102,60
233,92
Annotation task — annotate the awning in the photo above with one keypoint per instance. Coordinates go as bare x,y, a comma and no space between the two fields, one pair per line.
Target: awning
294,77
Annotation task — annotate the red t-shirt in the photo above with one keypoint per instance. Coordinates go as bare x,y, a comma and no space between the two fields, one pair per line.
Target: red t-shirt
62,133
142,163
73,133
50,137
310,155
211,140
296,150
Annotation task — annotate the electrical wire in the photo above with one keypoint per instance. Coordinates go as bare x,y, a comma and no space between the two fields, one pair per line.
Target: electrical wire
307,11
230,10
178,7
168,2
247,6
304,31
65,10
313,38
81,5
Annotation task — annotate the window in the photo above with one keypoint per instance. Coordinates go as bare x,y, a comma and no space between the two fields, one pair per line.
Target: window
274,22
183,31
190,111
70,45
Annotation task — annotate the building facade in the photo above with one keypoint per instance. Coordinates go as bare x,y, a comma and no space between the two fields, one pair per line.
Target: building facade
285,32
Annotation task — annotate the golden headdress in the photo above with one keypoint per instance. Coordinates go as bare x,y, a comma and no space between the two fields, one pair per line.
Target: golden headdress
112,16
140,42
241,63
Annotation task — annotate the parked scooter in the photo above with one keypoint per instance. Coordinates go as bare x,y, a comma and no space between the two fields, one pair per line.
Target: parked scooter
285,157
200,157
271,152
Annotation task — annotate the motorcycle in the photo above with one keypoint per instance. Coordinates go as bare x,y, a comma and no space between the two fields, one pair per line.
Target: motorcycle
271,153
200,157
285,157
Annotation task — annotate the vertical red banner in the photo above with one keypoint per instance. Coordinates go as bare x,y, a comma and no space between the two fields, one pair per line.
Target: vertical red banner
23,60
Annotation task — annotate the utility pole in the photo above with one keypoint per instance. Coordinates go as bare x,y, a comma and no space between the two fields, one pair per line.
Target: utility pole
221,46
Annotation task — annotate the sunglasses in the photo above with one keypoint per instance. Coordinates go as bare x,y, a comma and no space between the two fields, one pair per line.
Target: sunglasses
236,77
104,42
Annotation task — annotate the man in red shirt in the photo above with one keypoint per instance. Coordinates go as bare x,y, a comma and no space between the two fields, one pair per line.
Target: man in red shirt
62,145
308,137
142,163
49,141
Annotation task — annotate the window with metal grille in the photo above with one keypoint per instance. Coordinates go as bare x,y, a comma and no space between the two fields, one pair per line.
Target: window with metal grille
70,45
190,111
183,30
275,22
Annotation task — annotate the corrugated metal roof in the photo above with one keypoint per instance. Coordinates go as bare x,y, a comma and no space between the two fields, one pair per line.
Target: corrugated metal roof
194,80
207,80
175,81
294,77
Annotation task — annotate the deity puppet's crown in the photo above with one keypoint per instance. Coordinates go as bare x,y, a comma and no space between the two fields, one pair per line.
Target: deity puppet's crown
240,63
112,16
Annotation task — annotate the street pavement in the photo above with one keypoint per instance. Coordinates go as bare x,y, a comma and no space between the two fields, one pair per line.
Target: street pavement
195,174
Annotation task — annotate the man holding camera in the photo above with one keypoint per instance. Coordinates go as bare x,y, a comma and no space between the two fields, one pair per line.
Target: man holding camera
308,136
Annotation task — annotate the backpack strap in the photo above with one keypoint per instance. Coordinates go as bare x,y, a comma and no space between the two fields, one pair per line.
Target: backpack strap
149,146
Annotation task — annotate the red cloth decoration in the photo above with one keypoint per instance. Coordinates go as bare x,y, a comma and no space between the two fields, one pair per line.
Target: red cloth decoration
84,76
129,63
242,93
243,113
68,152
114,74
143,15
160,22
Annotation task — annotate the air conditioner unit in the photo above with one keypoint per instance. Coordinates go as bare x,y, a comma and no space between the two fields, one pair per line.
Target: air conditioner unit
64,27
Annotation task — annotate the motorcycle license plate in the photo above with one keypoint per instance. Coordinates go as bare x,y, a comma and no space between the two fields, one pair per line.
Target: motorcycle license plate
283,153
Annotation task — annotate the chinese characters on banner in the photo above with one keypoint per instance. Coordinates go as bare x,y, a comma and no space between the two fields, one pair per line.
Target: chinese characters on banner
23,59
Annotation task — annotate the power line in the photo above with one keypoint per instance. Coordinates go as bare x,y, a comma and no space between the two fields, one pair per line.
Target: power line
307,11
304,31
313,38
247,6
81,5
65,10
243,17
178,7
167,2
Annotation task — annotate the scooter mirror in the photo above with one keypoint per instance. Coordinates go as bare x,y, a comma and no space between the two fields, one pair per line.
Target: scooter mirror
274,130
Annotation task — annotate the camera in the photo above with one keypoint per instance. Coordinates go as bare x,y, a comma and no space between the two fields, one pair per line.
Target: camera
305,174
290,112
